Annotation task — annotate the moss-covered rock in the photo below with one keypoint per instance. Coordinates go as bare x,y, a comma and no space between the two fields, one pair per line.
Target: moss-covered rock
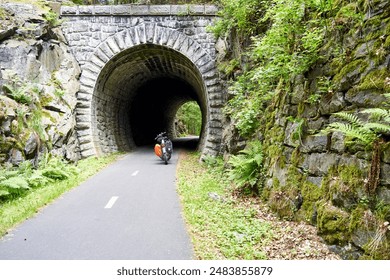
331,223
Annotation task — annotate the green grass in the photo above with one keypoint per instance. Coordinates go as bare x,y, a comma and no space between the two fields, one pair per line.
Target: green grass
223,228
15,211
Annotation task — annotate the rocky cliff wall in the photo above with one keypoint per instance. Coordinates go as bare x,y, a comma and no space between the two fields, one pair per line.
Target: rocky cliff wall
321,178
38,85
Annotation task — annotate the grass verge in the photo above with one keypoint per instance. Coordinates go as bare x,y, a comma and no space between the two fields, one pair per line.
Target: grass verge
15,211
221,225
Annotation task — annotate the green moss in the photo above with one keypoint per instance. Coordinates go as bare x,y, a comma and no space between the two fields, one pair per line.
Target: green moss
348,13
359,64
331,223
375,80
338,62
285,199
8,143
386,44
311,193
45,100
357,218
3,14
382,211
343,186
229,67
372,230
374,34
281,201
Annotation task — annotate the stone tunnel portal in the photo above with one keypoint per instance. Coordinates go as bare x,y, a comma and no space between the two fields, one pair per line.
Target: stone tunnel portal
138,93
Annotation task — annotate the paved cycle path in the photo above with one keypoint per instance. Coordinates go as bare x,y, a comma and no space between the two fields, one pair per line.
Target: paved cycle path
130,210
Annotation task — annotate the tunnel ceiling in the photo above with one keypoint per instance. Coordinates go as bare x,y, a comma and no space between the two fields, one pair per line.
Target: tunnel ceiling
138,93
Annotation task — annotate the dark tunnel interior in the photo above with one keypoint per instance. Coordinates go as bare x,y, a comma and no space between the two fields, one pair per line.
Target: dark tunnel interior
154,107
138,94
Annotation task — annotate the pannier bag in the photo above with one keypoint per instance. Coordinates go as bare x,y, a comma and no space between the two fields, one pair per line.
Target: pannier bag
157,150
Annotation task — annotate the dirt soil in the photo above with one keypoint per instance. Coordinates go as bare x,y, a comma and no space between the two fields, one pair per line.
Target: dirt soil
292,240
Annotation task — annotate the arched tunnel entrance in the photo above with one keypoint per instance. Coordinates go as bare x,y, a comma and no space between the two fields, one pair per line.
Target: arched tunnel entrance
138,93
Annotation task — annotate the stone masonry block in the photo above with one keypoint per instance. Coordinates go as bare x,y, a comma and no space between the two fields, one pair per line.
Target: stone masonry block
140,10
102,10
160,10
149,32
113,45
180,10
140,30
120,40
196,9
105,48
88,153
67,10
127,38
179,41
172,39
85,139
85,10
121,10
211,10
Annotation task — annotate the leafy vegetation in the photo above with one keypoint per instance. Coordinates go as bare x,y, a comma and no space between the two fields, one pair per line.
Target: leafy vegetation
189,119
246,168
288,46
15,181
221,227
357,130
293,65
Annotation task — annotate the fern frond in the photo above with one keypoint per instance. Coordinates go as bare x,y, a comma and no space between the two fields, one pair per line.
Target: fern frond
351,118
37,179
3,193
365,136
55,173
246,167
378,127
378,113
14,183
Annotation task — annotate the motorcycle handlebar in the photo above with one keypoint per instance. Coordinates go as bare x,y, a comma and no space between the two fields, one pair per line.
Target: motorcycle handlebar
160,135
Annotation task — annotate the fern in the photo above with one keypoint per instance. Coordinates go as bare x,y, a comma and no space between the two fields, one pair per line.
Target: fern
3,192
37,179
20,95
379,114
351,118
14,184
246,167
378,127
55,173
57,169
366,132
352,132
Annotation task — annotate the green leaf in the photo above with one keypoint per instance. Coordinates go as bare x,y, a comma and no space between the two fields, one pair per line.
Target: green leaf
15,183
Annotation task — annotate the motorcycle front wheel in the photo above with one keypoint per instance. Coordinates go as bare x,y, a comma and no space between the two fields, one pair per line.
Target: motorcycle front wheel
165,158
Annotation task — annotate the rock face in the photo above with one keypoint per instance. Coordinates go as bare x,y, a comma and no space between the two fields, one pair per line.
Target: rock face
38,85
329,172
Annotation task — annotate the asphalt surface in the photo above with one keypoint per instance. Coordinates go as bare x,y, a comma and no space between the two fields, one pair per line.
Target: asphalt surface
130,210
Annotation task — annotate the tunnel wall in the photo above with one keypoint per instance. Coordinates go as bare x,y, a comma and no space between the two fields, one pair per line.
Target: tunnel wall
106,41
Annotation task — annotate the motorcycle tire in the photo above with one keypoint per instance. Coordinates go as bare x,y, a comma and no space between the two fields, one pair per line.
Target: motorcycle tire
165,158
